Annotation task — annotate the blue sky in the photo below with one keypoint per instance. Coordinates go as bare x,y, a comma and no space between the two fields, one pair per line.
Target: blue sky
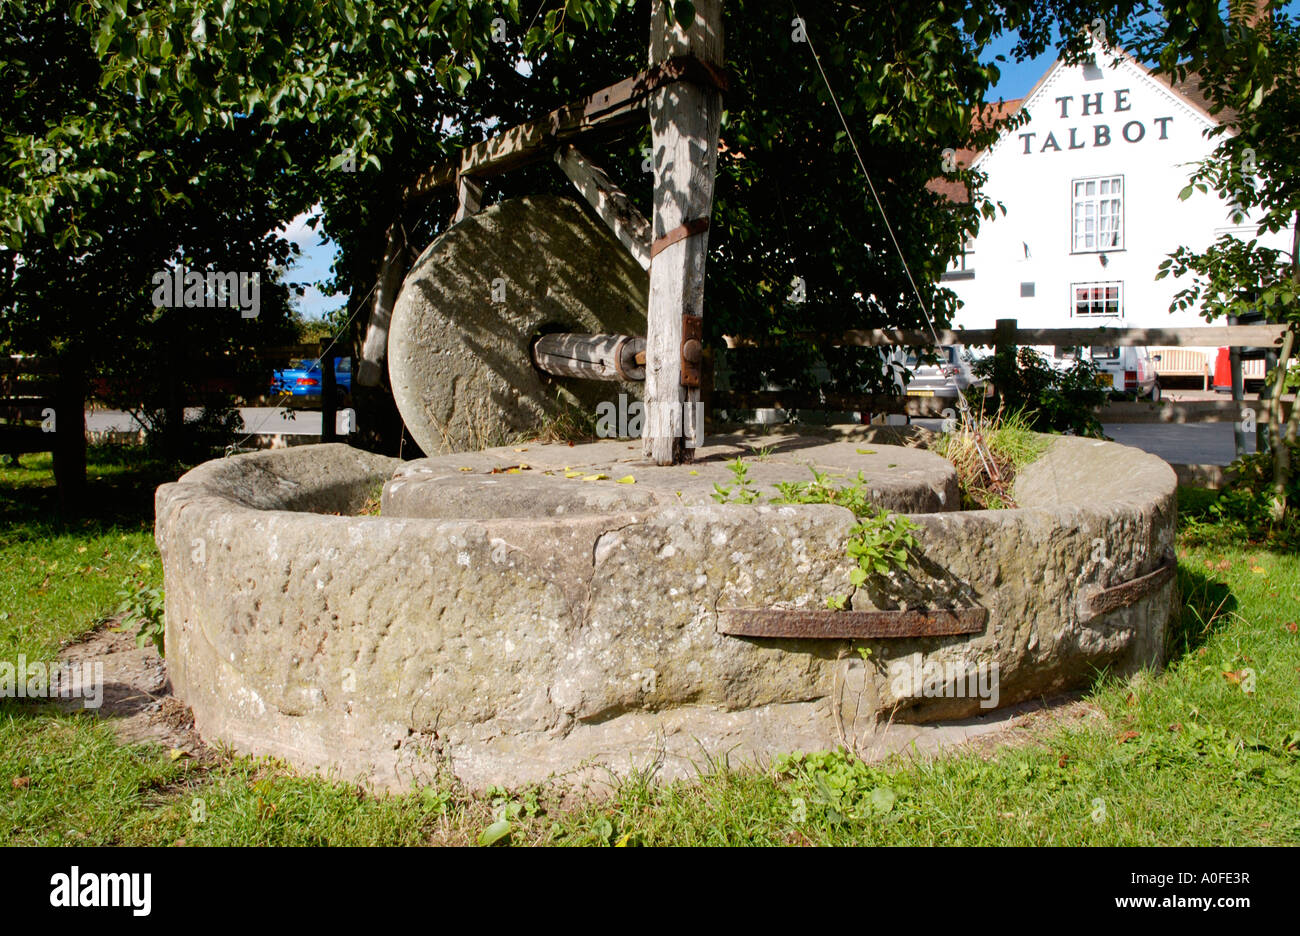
312,267
1017,77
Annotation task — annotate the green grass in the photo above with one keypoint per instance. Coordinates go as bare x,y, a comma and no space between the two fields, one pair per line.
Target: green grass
1187,756
61,576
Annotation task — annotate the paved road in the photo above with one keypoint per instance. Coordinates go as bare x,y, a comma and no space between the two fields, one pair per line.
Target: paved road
1187,444
256,419
1179,443
1176,443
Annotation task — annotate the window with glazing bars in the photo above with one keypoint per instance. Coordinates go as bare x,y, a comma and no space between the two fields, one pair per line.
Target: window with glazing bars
1098,214
1098,299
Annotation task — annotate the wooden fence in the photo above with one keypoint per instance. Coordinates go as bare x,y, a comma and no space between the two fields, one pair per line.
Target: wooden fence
43,411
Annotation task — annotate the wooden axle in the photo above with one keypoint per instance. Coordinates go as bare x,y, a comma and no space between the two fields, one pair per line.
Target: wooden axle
594,357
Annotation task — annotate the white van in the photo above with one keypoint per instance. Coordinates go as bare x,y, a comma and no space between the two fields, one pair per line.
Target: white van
1127,370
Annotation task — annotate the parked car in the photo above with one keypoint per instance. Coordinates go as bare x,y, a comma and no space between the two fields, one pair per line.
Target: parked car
302,378
1127,370
951,376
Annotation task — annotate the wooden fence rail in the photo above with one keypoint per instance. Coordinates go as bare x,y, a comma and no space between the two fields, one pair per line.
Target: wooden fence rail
1006,333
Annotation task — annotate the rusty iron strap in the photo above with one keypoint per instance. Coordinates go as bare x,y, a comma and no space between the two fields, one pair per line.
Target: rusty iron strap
634,90
824,625
692,349
681,232
1121,596
678,68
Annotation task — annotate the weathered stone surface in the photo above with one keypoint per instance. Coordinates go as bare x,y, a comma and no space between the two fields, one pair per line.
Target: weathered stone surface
459,346
550,483
508,648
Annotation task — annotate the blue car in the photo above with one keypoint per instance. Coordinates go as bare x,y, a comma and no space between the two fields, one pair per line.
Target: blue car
303,379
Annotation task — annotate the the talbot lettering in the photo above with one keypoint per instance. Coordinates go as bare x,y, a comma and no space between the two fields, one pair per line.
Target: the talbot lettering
1093,105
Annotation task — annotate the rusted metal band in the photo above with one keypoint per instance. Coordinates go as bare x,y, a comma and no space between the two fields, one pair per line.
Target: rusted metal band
1121,596
682,68
681,232
636,89
839,625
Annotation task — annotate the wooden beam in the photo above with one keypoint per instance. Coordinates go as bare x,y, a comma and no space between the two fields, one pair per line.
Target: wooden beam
610,110
609,201
684,122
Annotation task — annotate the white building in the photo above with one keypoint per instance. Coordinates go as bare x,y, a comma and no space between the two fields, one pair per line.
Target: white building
1090,184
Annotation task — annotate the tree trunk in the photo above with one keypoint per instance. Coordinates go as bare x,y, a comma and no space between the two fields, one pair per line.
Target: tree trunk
70,435
1281,452
1281,445
685,120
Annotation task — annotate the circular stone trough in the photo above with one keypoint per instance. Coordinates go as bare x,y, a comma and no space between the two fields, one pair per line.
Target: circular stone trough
543,610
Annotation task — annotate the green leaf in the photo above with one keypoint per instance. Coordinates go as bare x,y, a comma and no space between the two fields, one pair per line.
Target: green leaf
883,799
495,832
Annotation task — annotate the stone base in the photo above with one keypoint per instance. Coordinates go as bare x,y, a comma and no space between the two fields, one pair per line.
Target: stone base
506,624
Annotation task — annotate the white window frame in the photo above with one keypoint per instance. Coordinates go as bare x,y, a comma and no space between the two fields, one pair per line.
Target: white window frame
1093,303
1101,199
962,266
964,261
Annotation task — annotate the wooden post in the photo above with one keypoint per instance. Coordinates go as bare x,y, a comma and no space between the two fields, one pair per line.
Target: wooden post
684,120
328,393
469,196
1004,340
1238,392
69,448
391,271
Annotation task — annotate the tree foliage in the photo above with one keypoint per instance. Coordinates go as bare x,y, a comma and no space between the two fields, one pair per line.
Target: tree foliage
187,129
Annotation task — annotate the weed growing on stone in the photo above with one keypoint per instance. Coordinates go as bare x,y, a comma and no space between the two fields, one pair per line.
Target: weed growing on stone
742,492
878,543
986,477
854,496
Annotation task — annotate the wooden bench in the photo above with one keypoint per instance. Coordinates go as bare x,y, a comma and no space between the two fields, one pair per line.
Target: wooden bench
1183,362
27,404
